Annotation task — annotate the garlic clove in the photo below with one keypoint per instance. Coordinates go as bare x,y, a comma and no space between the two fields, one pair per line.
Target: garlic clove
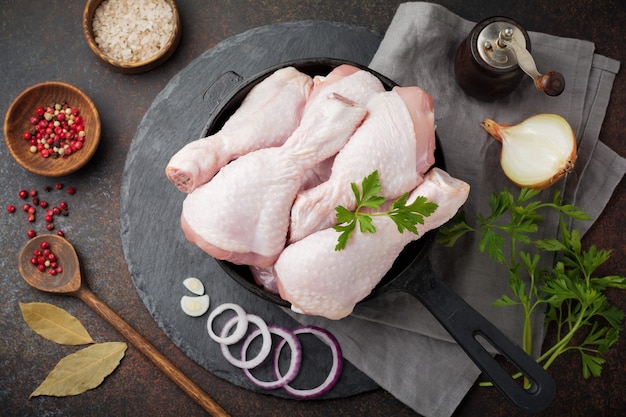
537,152
194,285
195,306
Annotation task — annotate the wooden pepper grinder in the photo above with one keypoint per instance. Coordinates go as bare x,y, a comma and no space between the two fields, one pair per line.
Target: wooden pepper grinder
492,60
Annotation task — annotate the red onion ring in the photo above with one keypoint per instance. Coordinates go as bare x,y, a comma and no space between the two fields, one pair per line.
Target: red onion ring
334,373
295,360
240,330
242,320
265,348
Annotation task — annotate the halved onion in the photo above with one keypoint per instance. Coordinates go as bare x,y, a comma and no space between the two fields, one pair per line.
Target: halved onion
294,359
333,374
537,152
263,353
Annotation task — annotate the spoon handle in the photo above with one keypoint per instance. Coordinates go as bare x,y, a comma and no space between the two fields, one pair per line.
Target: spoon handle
145,347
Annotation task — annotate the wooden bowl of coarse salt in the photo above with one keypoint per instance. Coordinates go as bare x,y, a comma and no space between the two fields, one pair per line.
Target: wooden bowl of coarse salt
132,36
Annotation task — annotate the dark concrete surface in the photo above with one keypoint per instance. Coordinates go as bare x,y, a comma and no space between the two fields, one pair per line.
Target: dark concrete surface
42,40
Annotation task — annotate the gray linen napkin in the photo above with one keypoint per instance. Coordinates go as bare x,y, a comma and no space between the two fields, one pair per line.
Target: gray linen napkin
394,339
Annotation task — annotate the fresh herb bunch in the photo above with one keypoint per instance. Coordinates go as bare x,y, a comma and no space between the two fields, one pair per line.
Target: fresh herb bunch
571,295
406,217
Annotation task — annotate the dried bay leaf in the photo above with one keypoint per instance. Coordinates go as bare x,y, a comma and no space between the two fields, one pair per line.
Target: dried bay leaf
82,370
55,324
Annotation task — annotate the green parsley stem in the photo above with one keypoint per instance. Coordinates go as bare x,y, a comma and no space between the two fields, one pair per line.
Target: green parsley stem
551,354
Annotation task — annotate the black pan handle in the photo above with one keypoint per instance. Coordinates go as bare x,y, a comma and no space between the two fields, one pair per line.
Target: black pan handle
465,324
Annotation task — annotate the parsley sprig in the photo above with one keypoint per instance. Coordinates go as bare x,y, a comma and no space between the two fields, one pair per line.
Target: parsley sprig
406,217
570,293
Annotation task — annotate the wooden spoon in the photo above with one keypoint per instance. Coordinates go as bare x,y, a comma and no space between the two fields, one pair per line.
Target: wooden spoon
70,282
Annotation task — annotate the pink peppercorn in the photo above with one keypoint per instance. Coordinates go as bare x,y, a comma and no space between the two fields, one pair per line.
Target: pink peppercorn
52,128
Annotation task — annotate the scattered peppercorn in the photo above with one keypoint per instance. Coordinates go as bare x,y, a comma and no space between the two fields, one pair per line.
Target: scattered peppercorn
30,208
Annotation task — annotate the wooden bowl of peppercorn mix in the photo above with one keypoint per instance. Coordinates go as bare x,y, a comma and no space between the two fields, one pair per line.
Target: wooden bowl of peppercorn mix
132,37
52,129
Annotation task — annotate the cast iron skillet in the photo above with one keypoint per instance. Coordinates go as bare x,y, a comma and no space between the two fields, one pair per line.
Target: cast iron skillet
411,272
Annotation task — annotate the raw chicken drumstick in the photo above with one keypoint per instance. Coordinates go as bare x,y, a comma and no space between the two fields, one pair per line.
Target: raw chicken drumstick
348,81
267,117
318,280
242,214
397,138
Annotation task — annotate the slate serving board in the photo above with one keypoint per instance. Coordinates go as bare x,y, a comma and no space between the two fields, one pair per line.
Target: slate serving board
151,205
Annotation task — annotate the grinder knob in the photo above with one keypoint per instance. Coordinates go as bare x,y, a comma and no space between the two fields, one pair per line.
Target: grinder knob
551,83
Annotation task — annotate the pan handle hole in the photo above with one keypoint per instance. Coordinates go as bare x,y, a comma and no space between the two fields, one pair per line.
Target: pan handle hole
501,358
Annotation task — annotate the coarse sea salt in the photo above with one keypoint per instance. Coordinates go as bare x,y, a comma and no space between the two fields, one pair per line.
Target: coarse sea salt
132,30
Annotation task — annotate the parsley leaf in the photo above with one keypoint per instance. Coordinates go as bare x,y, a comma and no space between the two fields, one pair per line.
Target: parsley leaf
569,292
405,216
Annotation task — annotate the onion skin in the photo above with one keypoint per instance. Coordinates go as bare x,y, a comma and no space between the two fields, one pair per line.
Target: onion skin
562,149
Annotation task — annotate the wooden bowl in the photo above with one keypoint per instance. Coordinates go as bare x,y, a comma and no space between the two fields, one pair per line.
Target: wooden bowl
130,67
16,122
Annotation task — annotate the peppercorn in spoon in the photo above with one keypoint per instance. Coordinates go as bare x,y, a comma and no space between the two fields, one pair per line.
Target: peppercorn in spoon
68,281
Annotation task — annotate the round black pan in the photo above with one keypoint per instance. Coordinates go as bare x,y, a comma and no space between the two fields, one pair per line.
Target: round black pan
411,272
